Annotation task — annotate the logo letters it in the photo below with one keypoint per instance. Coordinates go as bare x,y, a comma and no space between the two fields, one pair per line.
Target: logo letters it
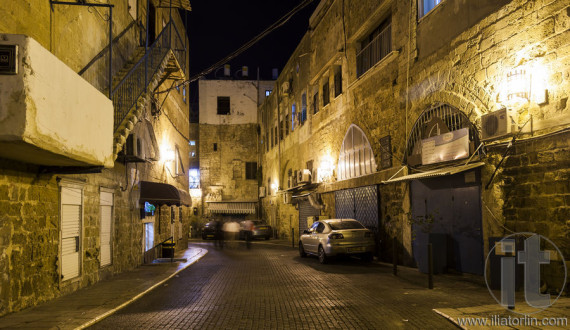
532,258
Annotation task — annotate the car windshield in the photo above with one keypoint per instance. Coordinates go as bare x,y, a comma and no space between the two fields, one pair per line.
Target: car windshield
351,224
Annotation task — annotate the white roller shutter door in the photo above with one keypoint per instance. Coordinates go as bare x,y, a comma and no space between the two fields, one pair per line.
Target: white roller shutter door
71,199
106,201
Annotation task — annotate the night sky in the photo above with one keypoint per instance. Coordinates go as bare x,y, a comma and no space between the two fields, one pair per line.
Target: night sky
218,27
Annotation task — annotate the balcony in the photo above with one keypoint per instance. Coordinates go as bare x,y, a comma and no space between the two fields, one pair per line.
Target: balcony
49,115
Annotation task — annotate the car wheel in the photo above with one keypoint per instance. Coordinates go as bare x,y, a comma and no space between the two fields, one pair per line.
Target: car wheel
302,252
323,259
266,238
367,257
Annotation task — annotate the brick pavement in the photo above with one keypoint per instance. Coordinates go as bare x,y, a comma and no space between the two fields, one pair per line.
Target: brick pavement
271,287
86,306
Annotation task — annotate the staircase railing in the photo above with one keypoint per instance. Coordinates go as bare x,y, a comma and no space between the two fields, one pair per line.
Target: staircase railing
156,251
126,93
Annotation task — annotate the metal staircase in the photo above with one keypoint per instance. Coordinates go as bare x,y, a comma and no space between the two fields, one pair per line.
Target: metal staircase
135,83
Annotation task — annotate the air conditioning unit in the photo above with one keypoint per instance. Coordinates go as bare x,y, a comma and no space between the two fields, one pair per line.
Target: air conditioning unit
304,176
287,198
262,191
498,123
133,150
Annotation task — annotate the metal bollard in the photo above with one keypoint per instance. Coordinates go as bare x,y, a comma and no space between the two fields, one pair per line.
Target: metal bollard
394,257
430,266
293,237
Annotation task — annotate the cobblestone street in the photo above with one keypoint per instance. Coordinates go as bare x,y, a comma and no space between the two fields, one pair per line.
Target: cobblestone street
271,287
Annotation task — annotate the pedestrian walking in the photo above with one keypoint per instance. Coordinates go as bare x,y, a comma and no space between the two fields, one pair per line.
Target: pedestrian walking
219,234
248,228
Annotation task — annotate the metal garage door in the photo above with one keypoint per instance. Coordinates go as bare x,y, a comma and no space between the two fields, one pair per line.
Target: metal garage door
360,204
306,210
450,208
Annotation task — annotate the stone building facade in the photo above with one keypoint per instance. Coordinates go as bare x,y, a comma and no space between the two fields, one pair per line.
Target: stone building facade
82,149
374,101
228,153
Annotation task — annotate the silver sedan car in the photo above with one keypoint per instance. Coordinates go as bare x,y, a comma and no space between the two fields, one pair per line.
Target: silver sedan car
332,237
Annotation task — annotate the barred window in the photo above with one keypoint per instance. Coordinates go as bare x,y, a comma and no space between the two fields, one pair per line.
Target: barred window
374,47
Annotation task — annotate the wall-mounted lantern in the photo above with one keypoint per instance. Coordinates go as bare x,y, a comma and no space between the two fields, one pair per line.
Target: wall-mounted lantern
525,84
326,170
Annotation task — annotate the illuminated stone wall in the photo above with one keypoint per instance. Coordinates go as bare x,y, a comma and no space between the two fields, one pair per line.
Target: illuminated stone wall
29,194
235,136
458,54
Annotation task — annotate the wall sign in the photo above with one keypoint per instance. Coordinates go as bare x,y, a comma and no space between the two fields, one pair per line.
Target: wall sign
446,147
8,59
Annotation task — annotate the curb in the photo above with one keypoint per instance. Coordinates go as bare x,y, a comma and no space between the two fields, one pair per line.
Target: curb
193,259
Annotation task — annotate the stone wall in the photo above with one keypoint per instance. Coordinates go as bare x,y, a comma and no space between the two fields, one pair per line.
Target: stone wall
30,225
467,71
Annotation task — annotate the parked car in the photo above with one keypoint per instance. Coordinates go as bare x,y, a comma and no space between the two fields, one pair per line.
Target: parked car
260,230
333,237
209,230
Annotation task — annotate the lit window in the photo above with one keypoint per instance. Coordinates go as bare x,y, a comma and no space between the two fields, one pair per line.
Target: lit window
425,6
303,113
293,113
267,92
192,143
184,94
356,157
194,178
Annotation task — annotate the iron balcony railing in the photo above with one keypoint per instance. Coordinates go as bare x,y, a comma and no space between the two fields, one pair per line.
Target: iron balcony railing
136,81
376,50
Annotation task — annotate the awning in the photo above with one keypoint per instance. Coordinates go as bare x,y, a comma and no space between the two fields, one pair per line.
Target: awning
162,193
232,207
182,4
435,173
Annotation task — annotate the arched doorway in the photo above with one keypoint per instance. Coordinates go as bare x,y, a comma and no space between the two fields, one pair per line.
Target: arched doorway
446,208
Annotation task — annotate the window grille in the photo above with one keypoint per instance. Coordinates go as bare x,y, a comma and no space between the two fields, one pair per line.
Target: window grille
453,119
375,47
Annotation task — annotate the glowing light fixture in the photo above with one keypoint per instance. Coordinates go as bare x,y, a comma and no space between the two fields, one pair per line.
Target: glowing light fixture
274,187
518,85
168,155
325,171
525,84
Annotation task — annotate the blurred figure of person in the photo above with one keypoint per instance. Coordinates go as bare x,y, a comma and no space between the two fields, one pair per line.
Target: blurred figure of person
219,234
231,231
248,227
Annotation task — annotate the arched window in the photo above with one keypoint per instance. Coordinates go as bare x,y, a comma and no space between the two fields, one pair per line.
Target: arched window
439,119
356,157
